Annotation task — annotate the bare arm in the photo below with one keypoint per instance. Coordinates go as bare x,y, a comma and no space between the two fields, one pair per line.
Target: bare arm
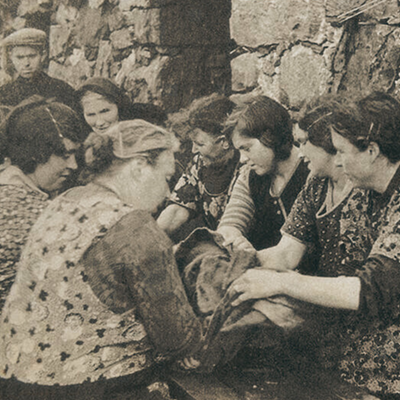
342,292
173,217
286,255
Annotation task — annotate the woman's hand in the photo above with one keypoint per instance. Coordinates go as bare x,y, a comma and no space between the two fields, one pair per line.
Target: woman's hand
256,284
233,237
241,243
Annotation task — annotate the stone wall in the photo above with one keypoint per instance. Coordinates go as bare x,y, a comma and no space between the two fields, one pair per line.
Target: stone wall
169,52
293,50
166,52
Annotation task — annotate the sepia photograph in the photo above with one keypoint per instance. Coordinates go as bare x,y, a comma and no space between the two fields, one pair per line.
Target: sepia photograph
200,200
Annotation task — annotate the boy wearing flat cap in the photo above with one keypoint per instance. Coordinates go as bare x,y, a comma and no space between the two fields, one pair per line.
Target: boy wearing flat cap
24,50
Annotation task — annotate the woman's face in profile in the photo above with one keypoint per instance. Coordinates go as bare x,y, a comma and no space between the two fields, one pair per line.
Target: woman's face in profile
100,113
52,175
319,162
211,149
355,163
258,157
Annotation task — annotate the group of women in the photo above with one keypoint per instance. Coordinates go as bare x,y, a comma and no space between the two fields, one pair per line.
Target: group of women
95,295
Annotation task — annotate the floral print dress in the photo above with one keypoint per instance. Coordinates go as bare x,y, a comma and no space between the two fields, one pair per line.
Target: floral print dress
66,323
21,204
363,346
341,234
372,351
204,189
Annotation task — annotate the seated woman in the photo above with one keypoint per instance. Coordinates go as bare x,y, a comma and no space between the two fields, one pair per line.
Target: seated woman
98,300
39,139
203,188
365,299
104,104
328,213
268,184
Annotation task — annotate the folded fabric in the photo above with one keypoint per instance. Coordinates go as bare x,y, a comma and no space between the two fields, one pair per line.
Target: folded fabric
208,268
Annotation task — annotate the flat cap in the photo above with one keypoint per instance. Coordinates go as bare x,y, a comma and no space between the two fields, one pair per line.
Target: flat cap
25,37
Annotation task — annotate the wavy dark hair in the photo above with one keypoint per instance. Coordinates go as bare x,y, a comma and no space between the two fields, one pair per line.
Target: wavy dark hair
373,118
35,130
266,120
316,119
209,113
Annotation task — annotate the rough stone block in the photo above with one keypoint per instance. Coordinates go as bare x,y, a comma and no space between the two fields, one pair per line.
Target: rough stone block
96,3
90,27
261,22
66,14
128,5
145,24
302,75
375,62
18,23
116,19
58,40
122,38
195,23
245,71
127,65
27,7
143,83
75,70
270,87
104,59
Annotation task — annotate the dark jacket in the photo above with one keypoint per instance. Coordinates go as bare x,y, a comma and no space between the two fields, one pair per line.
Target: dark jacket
11,94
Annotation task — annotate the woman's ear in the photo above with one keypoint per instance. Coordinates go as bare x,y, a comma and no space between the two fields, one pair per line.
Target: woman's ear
225,142
137,168
226,145
373,150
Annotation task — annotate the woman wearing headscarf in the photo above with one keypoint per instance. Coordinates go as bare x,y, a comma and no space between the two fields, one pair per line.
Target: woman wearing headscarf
104,104
39,139
98,301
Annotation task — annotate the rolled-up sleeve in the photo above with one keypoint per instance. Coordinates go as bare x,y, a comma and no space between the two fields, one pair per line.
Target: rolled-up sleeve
240,208
133,267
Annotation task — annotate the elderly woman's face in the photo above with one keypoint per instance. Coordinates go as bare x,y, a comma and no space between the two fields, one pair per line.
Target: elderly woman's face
152,188
210,149
99,112
51,176
258,157
356,164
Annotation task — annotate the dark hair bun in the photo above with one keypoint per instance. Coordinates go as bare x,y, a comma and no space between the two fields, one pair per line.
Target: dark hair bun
98,151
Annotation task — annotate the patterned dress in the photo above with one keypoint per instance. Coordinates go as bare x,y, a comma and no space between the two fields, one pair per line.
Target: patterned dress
21,203
204,189
342,234
97,295
372,351
359,237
